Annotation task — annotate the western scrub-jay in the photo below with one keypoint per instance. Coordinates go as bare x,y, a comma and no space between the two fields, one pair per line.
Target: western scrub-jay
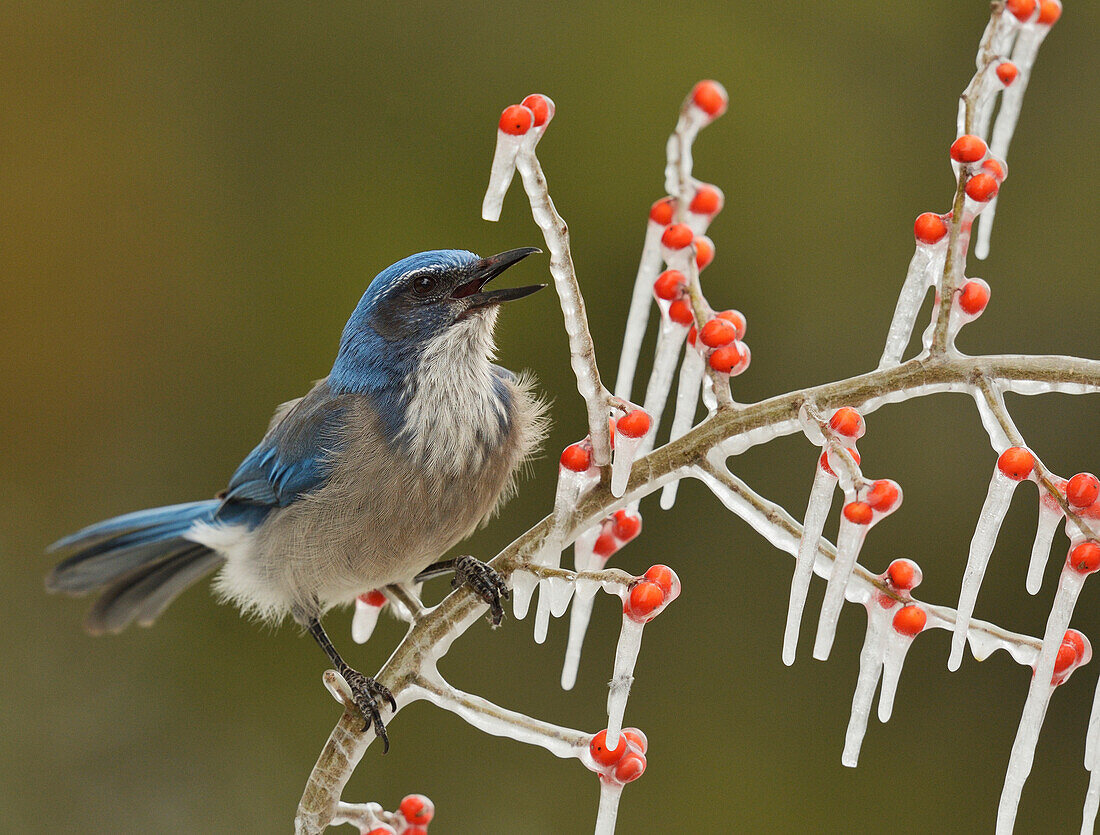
412,440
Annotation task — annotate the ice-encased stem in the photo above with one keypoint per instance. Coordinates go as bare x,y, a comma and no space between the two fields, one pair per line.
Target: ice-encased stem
638,317
500,174
626,656
925,267
870,668
1038,698
817,511
849,540
687,401
670,339
579,615
997,499
610,793
893,659
1045,528
626,451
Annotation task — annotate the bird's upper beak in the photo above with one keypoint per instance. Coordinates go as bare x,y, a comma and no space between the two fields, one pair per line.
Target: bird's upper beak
485,271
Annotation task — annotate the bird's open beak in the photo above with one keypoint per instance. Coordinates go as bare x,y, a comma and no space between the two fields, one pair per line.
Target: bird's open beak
485,271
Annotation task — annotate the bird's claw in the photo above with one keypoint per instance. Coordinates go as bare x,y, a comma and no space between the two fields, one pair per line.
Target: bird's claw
366,692
486,582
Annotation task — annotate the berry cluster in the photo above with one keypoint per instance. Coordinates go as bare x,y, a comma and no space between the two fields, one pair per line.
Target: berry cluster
651,593
625,763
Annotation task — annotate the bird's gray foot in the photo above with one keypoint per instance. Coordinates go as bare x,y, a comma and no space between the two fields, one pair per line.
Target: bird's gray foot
486,583
367,692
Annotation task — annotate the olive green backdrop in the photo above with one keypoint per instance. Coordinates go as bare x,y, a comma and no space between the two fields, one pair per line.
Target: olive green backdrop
193,196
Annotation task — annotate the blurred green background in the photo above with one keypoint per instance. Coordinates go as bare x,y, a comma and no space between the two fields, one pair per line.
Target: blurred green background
194,195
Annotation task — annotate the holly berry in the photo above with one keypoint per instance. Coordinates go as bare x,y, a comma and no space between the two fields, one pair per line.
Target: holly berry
576,457
968,148
541,108
374,598
605,545
704,251
996,168
982,187
416,808
1016,463
661,212
1085,558
929,228
708,200
858,513
681,313
848,423
718,332
601,753
627,525
710,97
904,574
669,285
883,495
1007,72
910,620
644,598
824,460
974,296
637,739
1049,12
664,577
726,358
737,319
677,236
516,120
1082,490
1022,9
1066,658
633,424
630,767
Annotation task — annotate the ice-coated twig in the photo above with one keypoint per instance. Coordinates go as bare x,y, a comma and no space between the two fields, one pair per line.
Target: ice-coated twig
870,668
925,269
817,511
1045,528
1092,744
849,541
626,657
608,812
687,402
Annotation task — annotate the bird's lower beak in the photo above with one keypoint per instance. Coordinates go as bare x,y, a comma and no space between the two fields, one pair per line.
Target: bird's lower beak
485,271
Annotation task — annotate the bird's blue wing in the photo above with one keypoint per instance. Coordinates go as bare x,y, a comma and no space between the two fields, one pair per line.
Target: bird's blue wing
293,458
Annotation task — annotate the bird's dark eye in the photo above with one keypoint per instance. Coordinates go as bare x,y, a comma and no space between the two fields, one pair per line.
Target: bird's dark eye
423,285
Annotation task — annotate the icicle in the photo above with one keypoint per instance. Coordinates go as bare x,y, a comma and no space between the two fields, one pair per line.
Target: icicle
610,792
817,511
925,268
523,586
687,401
630,432
848,543
893,659
626,656
997,500
1049,516
670,339
579,615
367,608
1092,742
1038,698
870,668
500,175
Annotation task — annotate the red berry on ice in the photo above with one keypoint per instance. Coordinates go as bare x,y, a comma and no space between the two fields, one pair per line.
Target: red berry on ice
1085,558
726,358
704,251
847,422
707,201
669,285
636,738
417,809
633,424
710,97
929,228
540,108
968,148
1016,463
605,545
737,319
600,752
1050,11
1022,9
627,525
677,236
883,495
910,620
1007,72
982,187
630,767
516,120
576,457
1082,490
858,513
974,296
661,212
903,574
996,168
664,577
824,461
644,598
718,332
681,313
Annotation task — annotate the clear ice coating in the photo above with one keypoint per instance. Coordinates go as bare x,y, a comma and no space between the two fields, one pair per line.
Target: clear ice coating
817,511
687,401
364,619
579,615
925,270
1050,514
626,450
670,339
870,668
1092,742
1038,698
500,174
997,500
610,793
638,317
626,657
849,541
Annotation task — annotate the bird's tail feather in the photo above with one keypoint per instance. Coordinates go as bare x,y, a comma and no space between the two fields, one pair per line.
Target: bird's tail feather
141,560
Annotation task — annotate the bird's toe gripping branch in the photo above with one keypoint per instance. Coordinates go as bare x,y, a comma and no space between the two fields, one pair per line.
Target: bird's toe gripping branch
485,582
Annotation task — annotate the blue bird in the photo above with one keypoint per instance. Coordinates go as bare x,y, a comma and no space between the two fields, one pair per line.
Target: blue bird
412,440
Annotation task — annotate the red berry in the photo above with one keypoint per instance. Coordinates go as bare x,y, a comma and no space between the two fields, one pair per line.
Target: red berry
630,767
541,108
374,598
633,424
858,513
669,285
968,148
903,574
627,525
599,750
1050,11
883,495
1007,72
910,620
824,461
707,201
577,458
661,212
717,332
1085,558
664,577
636,739
677,236
681,313
726,358
1082,490
1022,9
982,187
644,598
516,120
704,251
737,319
381,829
691,336
605,545
415,830
1066,658
996,168
974,296
1016,463
929,228
416,808
1076,640
848,423
710,97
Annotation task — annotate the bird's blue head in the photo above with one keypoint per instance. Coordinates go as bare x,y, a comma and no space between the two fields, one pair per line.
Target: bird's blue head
413,304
